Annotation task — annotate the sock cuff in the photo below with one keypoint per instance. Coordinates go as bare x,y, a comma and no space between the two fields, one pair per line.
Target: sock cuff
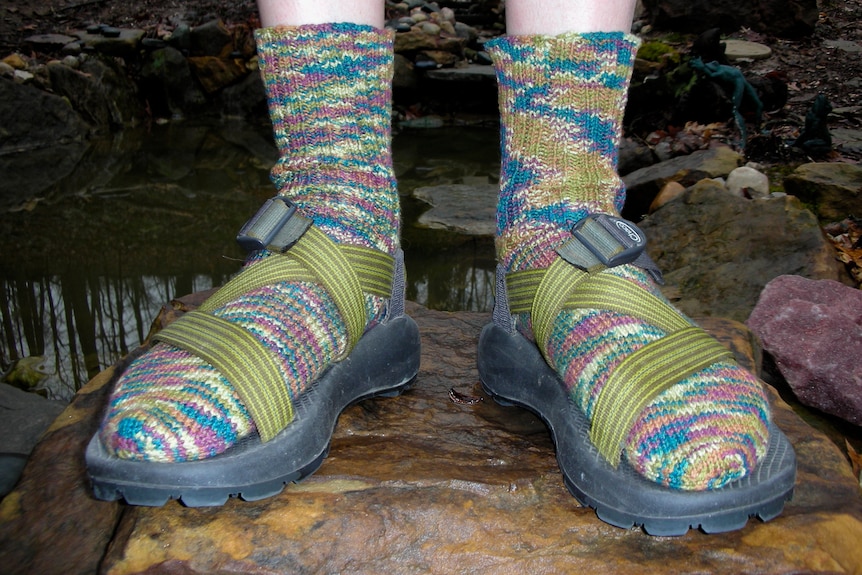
329,94
359,33
612,48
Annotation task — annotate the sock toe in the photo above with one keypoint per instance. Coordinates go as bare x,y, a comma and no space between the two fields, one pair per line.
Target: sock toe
704,432
170,406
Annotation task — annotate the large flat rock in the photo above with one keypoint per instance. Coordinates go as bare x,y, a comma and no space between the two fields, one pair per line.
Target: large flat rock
417,484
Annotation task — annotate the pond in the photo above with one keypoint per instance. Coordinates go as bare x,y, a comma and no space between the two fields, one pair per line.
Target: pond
97,239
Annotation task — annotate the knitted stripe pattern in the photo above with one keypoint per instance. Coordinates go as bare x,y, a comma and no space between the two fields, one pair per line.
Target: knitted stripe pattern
562,100
328,90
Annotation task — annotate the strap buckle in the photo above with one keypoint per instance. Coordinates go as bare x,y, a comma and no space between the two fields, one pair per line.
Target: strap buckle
276,227
602,241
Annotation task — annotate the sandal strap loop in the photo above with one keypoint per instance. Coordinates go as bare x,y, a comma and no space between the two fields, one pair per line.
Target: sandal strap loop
638,379
250,367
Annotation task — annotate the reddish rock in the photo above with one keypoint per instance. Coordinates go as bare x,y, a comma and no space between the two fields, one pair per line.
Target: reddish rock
813,330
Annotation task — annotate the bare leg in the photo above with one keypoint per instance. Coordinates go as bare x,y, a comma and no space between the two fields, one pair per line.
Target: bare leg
296,12
554,17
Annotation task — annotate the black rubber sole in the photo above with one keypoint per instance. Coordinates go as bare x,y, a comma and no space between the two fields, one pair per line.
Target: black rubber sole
383,363
514,372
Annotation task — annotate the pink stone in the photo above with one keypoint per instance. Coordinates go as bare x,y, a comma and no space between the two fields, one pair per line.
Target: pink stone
813,331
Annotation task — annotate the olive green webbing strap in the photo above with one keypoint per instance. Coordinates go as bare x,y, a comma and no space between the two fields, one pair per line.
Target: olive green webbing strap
639,378
345,272
559,282
250,367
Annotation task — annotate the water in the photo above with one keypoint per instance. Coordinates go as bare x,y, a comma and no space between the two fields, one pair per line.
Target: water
97,240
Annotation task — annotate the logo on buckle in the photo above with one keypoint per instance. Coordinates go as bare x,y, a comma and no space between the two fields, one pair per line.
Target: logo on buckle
629,231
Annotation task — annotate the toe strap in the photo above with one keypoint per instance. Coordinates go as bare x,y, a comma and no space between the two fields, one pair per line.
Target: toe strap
250,367
345,272
643,375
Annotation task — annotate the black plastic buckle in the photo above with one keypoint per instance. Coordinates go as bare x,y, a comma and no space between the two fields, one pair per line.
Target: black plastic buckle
602,241
276,227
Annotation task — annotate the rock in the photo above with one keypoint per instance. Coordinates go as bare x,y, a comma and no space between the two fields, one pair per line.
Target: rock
247,98
464,209
439,57
466,32
416,484
22,76
16,61
211,39
847,140
71,61
471,73
168,85
35,173
668,193
417,40
99,90
32,119
215,73
181,37
25,417
48,42
844,46
404,76
720,250
633,155
832,189
813,331
27,373
786,18
643,185
745,50
747,182
125,45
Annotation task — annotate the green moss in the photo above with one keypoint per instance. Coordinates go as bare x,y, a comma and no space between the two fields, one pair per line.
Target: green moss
776,174
655,51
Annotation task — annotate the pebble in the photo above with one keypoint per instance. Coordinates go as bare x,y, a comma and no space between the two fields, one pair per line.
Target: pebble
430,28
16,61
71,61
747,182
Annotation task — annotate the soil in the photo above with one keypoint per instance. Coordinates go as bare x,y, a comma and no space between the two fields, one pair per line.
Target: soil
809,65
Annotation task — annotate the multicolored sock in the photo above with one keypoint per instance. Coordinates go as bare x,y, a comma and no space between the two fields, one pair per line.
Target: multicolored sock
562,100
329,99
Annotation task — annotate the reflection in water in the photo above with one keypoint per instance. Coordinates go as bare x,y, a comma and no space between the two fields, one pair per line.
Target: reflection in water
91,254
81,324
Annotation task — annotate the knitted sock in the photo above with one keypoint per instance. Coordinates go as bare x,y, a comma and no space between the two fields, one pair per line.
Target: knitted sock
562,100
329,99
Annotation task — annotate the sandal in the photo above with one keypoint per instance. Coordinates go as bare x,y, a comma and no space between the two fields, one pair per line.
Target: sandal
292,437
514,371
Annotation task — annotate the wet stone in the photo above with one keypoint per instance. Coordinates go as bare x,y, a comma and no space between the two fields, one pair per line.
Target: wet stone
48,41
720,250
461,208
418,483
